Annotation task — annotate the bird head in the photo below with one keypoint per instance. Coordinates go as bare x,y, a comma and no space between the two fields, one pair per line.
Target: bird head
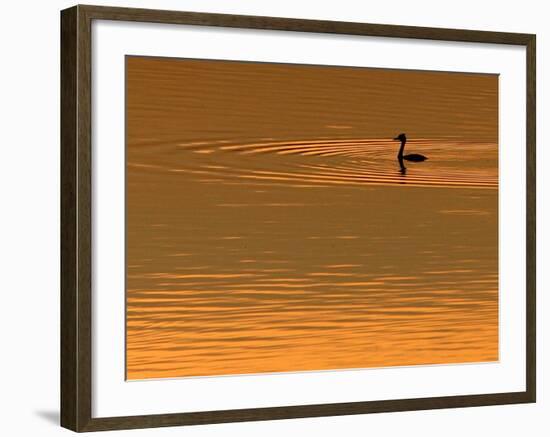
400,137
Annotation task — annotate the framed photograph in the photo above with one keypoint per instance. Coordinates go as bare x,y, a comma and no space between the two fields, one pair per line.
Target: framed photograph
270,218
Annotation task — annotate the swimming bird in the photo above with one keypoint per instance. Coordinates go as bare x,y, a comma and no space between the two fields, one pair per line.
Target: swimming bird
414,157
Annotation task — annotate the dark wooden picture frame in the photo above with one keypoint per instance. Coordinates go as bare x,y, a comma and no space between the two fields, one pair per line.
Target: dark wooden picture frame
76,221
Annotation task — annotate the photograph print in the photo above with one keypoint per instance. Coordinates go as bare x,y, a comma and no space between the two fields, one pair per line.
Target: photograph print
292,217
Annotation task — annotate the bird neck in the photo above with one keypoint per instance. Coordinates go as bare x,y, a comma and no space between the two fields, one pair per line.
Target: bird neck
400,154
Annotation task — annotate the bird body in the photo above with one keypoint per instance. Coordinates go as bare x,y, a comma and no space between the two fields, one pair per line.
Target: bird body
415,157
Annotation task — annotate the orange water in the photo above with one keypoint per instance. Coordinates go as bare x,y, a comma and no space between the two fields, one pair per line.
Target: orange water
250,254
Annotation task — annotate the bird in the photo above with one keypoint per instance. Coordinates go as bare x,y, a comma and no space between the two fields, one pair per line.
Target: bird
413,157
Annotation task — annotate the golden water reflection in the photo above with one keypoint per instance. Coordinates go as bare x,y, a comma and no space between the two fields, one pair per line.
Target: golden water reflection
353,278
272,246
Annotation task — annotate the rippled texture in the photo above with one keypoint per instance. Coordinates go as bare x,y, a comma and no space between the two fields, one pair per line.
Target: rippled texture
269,228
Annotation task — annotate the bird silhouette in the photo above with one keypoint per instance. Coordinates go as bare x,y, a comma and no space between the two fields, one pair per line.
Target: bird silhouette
413,157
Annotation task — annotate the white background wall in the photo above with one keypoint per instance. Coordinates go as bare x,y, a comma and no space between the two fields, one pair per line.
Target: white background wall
29,223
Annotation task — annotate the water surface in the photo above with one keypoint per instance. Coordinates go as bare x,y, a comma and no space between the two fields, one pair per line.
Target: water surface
269,228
